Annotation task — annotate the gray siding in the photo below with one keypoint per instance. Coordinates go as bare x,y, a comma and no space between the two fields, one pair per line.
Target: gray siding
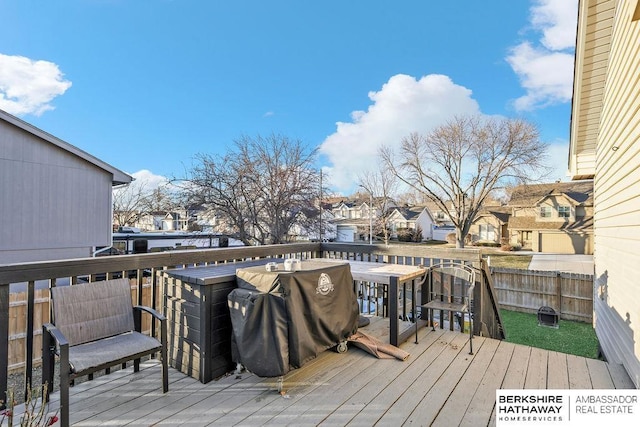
53,203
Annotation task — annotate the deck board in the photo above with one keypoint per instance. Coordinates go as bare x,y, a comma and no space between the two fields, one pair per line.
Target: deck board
377,379
331,390
482,403
619,376
454,408
558,376
599,374
578,373
427,409
395,401
439,383
517,370
536,377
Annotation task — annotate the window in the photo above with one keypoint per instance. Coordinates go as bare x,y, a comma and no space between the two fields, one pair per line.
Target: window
564,211
545,211
487,232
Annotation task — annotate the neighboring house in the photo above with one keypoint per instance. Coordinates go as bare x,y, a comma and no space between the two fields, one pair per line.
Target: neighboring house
176,221
151,221
442,226
55,199
205,219
193,218
354,209
553,218
308,228
411,218
351,230
440,217
351,220
605,146
491,226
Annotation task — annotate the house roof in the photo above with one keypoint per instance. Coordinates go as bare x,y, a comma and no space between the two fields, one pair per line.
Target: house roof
581,192
530,223
351,221
410,212
119,177
433,207
502,213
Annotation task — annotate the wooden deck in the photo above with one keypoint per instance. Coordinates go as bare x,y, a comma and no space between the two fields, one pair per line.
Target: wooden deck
439,384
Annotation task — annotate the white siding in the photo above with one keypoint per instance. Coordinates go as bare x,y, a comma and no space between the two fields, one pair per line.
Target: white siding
617,198
426,224
595,21
53,203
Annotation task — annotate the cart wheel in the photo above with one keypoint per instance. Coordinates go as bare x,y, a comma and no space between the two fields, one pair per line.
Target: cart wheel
342,347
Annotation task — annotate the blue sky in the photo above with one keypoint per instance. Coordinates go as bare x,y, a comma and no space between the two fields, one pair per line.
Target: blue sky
145,85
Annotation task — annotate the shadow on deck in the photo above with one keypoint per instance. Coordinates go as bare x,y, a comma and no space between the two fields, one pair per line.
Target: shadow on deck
439,384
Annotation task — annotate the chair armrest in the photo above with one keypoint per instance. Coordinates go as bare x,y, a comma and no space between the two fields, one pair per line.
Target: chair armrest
137,316
151,311
56,334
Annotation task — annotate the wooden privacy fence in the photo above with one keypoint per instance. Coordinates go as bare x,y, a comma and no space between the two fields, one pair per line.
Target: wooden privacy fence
569,294
18,322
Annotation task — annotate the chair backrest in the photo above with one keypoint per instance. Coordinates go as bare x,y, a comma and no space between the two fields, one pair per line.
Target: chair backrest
91,311
452,271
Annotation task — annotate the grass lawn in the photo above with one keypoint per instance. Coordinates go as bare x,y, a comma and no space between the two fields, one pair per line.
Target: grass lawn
507,260
571,337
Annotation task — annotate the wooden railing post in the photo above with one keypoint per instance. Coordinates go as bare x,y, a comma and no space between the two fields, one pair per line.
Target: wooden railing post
29,338
4,341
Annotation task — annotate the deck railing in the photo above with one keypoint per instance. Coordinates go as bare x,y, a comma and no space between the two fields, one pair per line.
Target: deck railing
144,270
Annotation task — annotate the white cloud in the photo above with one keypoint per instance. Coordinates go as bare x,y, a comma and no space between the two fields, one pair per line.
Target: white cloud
148,180
557,22
28,86
547,76
545,67
403,105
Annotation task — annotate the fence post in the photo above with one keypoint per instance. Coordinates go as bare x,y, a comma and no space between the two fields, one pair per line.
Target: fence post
559,291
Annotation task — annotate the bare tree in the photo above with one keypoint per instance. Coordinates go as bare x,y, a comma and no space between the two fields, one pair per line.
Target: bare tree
460,163
382,187
161,199
129,203
132,202
260,188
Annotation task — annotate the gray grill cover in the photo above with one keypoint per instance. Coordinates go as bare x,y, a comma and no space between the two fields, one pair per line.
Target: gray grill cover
281,319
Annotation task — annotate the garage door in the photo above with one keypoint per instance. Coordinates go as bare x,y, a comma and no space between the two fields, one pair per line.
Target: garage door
345,234
562,243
